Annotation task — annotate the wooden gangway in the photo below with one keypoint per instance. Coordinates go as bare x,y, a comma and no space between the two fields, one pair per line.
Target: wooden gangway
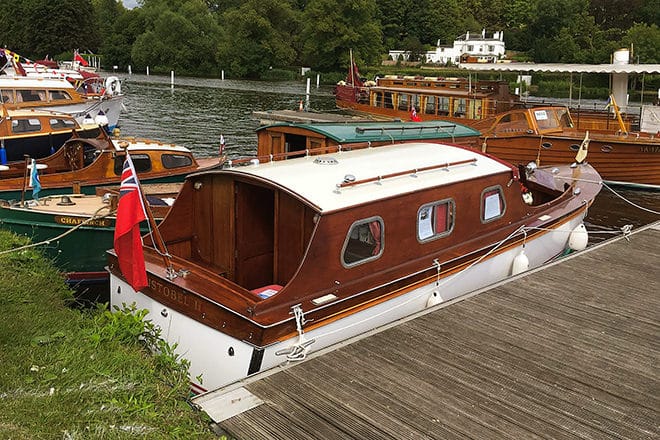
569,351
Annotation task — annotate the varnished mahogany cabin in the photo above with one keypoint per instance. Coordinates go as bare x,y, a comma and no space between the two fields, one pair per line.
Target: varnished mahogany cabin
547,135
271,260
82,164
290,139
38,133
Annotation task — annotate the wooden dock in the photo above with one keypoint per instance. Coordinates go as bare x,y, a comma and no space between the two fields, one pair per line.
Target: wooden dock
570,351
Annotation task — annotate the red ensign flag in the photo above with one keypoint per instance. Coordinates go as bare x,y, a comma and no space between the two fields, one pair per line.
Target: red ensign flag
128,242
80,59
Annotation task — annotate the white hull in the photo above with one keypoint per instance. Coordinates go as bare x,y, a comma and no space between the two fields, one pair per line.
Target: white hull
219,359
88,111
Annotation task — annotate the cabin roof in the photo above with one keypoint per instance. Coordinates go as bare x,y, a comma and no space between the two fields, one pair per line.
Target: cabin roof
136,145
34,83
384,131
316,178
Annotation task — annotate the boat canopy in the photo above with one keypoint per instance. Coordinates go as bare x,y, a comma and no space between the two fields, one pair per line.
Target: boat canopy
384,131
349,178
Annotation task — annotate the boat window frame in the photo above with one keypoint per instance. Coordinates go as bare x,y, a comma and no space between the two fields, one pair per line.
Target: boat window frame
451,220
344,247
59,95
58,123
139,160
23,125
173,161
482,204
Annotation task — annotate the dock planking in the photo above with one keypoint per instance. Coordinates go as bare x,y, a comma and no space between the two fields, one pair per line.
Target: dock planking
570,351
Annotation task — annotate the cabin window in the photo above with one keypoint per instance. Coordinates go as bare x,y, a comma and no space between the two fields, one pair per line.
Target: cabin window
25,125
388,101
443,105
435,220
31,95
141,162
512,122
62,123
545,119
460,106
175,161
429,109
378,99
58,95
403,102
364,242
492,204
7,96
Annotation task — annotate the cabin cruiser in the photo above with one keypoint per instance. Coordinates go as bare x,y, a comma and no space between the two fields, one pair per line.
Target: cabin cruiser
259,265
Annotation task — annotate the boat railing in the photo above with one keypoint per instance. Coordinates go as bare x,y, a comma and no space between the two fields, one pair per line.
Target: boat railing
411,172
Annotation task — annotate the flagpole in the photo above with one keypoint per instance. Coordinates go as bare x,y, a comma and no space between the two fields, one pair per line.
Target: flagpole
25,177
157,238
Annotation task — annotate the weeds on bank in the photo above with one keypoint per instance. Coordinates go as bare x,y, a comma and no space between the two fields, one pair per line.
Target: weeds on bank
66,373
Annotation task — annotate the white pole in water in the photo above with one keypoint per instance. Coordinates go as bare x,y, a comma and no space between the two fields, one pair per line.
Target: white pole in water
307,94
223,75
318,78
172,78
130,72
147,70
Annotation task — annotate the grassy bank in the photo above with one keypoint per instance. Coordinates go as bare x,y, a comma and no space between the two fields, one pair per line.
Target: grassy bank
73,374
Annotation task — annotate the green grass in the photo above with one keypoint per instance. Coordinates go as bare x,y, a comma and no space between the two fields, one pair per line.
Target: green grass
66,373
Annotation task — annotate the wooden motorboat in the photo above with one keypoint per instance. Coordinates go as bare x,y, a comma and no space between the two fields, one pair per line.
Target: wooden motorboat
452,99
547,135
76,229
461,100
287,139
37,133
102,106
273,260
82,164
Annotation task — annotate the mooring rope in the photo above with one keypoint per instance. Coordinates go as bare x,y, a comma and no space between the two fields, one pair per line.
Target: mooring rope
94,216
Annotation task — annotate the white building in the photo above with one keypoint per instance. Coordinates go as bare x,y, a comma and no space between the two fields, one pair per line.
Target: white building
475,48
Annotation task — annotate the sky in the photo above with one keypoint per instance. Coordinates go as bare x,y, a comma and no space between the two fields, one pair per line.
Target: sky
130,4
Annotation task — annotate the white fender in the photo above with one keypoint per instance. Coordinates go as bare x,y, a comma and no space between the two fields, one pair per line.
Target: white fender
579,238
434,299
520,263
112,86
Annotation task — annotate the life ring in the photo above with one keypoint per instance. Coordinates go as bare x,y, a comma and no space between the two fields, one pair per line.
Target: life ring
112,86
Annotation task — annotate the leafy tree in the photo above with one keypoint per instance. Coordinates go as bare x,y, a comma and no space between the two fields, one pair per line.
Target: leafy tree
333,27
645,41
258,35
36,28
180,35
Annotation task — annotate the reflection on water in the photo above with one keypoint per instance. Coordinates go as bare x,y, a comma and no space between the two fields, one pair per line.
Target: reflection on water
197,111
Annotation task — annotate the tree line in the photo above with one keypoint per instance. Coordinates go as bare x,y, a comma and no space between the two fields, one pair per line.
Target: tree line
249,38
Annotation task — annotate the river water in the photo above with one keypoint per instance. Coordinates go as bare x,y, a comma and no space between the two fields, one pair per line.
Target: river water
196,112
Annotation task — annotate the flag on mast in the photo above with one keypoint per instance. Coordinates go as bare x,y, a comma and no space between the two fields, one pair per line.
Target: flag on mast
34,180
127,240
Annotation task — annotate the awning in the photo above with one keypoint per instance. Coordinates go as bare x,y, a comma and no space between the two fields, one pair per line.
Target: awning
562,68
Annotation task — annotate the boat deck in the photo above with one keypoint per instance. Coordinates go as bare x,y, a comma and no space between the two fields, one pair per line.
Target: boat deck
274,116
570,351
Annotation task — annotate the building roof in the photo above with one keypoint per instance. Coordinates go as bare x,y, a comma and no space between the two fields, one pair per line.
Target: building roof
315,179
564,68
344,133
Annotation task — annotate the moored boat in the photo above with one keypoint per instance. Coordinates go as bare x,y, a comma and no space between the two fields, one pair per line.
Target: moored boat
547,135
426,98
101,105
76,229
290,139
82,164
270,261
37,133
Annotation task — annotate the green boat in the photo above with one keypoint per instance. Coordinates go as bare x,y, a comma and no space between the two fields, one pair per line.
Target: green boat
75,230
